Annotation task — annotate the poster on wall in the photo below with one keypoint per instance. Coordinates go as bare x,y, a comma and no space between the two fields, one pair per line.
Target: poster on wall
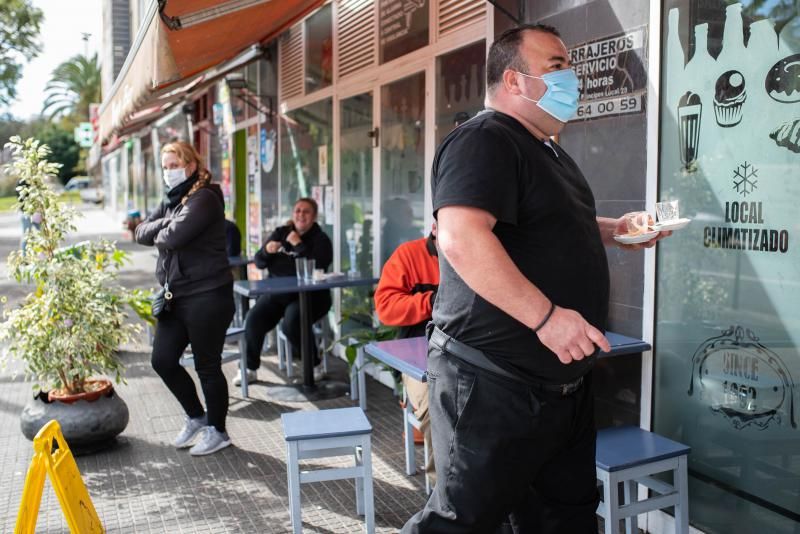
253,193
269,143
729,285
322,162
328,202
612,74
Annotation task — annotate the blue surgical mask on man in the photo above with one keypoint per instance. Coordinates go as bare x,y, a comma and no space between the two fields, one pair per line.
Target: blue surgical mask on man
560,100
173,177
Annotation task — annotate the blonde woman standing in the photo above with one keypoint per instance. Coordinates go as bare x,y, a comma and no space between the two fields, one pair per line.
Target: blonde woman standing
188,229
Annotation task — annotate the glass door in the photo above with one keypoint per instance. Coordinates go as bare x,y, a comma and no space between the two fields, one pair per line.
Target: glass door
356,137
402,180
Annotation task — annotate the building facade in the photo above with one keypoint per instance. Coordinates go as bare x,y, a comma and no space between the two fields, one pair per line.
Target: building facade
688,100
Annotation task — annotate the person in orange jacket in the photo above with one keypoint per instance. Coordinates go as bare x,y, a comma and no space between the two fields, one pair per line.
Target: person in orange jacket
404,298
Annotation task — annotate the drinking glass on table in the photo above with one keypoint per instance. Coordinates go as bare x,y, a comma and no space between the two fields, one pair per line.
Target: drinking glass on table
308,273
300,268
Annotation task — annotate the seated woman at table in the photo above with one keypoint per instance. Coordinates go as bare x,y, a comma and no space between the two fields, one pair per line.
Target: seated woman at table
301,237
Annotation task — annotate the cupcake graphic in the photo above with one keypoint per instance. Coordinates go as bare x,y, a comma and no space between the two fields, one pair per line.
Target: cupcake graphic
729,97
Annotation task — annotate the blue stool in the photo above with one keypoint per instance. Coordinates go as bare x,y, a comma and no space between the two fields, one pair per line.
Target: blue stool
630,456
325,433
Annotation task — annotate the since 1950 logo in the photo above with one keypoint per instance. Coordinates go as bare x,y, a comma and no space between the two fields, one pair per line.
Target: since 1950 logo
742,380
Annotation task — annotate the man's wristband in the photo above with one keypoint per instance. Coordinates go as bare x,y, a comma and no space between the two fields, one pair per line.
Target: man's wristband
546,317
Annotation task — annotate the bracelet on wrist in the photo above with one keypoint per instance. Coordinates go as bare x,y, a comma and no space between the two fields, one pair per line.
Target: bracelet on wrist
546,317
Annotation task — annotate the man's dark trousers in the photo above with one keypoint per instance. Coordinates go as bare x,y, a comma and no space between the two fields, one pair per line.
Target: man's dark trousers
502,447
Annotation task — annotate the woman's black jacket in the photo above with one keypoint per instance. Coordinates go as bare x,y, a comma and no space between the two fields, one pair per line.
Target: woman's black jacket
190,239
314,244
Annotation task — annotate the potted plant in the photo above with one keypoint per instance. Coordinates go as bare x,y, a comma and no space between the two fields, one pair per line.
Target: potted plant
69,326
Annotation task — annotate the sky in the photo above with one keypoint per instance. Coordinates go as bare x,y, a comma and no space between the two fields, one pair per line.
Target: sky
61,39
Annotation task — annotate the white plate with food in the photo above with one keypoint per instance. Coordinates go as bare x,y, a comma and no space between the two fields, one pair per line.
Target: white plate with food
632,239
676,224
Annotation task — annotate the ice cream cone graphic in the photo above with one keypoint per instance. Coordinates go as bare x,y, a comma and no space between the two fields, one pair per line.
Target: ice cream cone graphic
690,112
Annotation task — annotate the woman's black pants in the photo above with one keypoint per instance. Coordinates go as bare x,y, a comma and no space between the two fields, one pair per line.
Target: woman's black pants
201,320
268,311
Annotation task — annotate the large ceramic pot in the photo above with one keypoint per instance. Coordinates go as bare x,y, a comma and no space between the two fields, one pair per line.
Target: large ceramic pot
89,421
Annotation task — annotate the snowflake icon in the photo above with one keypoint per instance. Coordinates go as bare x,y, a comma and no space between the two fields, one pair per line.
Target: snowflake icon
744,178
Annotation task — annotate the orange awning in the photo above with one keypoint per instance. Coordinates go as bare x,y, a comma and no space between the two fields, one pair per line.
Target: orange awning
185,38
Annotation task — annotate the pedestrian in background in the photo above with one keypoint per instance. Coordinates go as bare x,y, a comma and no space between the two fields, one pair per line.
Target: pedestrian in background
188,229
521,307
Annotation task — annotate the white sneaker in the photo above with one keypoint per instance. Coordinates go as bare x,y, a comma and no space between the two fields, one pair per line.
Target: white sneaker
252,376
190,429
212,441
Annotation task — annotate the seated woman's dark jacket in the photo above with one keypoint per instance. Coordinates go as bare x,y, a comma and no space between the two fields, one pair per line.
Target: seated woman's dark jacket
191,242
314,244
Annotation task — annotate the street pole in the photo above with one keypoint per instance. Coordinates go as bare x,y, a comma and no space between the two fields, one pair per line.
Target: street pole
85,36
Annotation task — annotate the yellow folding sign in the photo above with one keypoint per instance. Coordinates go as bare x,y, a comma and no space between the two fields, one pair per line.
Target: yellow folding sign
51,456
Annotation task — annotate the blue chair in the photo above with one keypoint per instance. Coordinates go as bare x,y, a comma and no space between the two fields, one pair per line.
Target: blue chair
322,337
234,334
322,434
630,456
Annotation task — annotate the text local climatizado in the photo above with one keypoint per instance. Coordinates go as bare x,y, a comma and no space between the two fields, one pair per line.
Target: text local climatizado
758,239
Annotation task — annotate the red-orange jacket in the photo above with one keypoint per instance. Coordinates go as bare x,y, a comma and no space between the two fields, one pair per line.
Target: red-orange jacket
408,283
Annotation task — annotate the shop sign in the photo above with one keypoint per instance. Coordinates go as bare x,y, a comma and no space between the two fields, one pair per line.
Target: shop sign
403,27
398,18
612,74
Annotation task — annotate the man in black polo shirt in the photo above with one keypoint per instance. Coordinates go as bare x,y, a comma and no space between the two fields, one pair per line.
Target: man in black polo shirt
521,308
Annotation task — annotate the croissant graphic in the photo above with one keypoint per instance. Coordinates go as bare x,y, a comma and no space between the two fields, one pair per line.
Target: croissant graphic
788,135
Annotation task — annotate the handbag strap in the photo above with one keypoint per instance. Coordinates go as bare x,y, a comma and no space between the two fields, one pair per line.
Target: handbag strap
167,293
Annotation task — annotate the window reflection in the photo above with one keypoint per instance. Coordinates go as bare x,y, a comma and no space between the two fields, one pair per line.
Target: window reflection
319,49
460,83
306,149
356,207
402,162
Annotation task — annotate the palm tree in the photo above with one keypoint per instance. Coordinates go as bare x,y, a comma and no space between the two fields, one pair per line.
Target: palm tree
73,86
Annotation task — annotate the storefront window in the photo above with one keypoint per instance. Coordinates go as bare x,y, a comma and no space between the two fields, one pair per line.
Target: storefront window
319,49
151,170
403,27
306,149
402,138
268,144
728,286
460,83
174,127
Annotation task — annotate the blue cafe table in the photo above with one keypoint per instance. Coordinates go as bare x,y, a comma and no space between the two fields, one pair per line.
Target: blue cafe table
410,356
308,390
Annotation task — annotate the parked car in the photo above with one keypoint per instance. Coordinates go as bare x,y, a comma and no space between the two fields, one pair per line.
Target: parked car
86,188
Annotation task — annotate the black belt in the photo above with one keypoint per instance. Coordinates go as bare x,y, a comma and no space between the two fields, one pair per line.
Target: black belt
477,358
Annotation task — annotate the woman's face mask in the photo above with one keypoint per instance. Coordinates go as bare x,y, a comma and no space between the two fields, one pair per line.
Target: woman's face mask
173,177
560,100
